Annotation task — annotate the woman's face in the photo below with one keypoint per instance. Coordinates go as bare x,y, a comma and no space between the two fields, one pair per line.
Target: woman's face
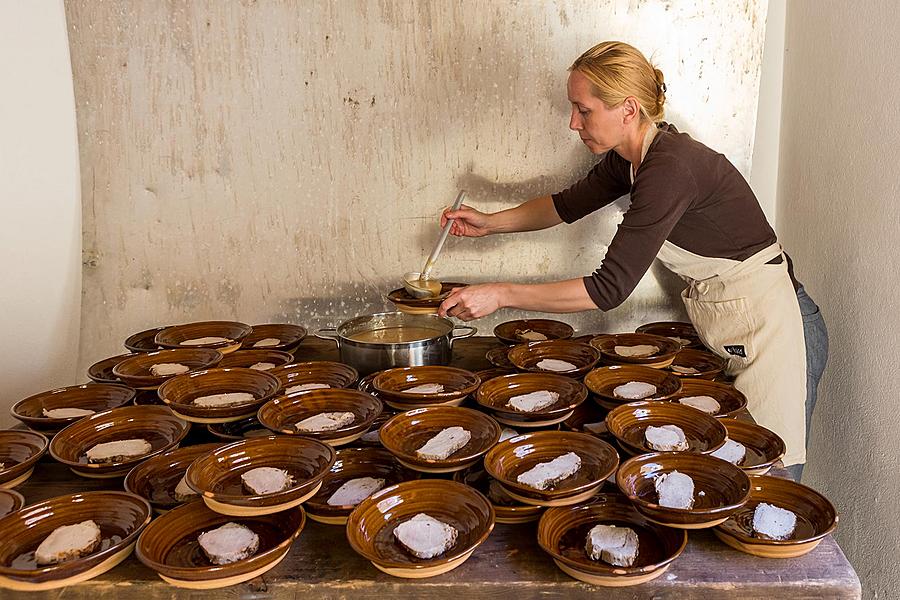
600,128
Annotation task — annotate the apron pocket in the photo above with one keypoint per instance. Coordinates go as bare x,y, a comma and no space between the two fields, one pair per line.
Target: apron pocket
725,326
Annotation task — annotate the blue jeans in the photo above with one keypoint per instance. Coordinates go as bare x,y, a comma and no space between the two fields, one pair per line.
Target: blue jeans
815,335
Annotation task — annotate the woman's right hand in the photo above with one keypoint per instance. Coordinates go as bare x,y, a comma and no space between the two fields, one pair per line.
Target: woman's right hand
467,222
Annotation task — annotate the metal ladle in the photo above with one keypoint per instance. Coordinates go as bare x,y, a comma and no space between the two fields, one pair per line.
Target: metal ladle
420,285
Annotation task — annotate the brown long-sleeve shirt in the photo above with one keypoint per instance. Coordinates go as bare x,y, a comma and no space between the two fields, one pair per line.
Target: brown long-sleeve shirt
683,192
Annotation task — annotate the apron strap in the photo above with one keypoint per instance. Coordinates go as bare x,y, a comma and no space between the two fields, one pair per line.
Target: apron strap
753,262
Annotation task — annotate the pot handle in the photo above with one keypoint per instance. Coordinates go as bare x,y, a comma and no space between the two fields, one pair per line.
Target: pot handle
329,333
470,331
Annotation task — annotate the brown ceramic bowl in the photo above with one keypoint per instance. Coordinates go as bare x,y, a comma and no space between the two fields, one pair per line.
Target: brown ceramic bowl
119,515
135,372
353,463
525,357
169,546
627,423
684,332
764,447
238,430
816,518
392,383
102,370
603,381
488,374
405,433
370,527
707,364
95,397
10,501
233,332
725,488
494,395
668,348
418,306
156,424
365,384
507,460
217,474
256,359
509,332
155,479
499,357
563,532
591,419
730,399
180,392
147,397
281,414
585,338
332,374
19,451
506,509
288,335
143,341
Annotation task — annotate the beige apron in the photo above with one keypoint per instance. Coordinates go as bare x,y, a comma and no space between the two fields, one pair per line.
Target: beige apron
747,312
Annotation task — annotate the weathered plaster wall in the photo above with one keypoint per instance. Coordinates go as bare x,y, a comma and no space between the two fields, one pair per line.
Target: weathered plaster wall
282,160
839,215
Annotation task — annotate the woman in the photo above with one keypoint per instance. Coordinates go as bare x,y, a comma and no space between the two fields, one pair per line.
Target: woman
695,212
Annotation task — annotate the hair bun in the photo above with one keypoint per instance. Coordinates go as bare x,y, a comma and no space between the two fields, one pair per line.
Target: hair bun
660,87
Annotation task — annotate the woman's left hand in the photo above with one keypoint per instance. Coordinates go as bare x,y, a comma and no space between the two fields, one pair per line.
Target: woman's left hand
473,302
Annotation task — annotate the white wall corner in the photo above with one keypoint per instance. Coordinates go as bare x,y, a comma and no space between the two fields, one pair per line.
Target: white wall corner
764,169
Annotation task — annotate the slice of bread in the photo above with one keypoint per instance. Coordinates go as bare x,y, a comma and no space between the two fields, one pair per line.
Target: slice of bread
425,537
68,542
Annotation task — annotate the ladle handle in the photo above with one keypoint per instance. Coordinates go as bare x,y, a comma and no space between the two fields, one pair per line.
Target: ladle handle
429,264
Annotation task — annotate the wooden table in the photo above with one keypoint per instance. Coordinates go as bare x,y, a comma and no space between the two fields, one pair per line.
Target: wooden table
509,564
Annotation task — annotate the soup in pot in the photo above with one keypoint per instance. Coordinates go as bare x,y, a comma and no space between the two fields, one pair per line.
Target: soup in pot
395,335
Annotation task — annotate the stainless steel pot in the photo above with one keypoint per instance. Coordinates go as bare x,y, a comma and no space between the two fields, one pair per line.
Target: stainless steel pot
368,357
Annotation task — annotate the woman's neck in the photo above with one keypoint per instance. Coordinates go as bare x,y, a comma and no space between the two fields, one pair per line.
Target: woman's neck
632,145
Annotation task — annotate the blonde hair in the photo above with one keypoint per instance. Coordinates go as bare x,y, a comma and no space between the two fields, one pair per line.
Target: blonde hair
619,70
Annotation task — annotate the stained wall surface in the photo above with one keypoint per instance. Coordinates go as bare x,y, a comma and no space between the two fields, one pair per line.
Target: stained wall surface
286,161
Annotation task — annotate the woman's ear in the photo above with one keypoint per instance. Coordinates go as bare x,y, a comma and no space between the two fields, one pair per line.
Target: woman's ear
631,110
